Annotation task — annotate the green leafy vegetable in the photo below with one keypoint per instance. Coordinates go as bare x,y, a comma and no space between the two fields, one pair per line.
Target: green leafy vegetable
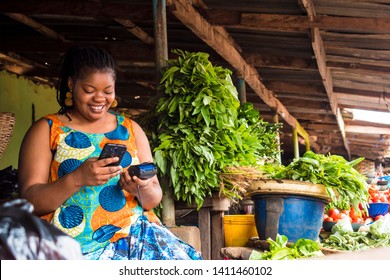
199,129
344,184
281,250
381,227
374,235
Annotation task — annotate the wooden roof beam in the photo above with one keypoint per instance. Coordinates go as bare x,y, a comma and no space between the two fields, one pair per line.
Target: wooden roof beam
136,31
284,62
367,129
257,21
37,26
319,52
19,65
186,13
354,101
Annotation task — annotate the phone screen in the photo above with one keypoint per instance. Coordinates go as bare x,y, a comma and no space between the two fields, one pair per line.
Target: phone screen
113,150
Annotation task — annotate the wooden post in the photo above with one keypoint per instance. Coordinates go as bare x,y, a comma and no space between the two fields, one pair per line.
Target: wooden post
160,35
217,234
204,224
161,46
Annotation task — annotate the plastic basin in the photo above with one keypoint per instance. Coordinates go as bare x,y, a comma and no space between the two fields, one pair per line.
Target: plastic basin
293,216
379,208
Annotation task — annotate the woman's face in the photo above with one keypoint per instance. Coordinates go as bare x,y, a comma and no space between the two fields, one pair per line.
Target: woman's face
93,94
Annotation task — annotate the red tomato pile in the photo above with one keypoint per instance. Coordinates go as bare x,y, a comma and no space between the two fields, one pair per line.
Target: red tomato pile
335,215
378,196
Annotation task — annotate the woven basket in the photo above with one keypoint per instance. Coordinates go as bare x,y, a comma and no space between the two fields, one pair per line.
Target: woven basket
7,124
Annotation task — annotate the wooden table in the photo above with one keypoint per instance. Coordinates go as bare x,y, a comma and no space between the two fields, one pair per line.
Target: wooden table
210,223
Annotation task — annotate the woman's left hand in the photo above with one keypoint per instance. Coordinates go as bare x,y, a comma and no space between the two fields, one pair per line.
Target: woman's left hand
149,189
131,184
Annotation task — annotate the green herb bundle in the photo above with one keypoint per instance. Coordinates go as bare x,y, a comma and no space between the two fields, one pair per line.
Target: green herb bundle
202,129
280,249
344,184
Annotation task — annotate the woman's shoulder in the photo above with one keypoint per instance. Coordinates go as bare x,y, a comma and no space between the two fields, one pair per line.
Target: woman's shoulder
38,128
43,121
124,119
52,119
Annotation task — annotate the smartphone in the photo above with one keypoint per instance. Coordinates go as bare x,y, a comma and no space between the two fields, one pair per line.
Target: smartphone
113,150
143,171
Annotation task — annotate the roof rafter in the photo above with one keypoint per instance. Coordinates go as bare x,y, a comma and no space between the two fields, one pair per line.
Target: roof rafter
37,26
319,51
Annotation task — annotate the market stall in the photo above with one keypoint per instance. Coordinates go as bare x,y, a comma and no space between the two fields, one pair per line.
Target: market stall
291,223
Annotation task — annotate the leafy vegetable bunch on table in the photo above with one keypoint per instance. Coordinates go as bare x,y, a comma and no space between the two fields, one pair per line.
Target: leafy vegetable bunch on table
281,249
202,130
345,186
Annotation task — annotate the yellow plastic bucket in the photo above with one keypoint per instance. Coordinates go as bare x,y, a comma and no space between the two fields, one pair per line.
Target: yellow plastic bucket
238,229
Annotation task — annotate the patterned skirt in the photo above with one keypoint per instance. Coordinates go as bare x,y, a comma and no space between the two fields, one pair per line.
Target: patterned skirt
147,241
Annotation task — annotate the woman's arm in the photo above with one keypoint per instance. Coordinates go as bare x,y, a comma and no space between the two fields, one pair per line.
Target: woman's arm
150,190
35,158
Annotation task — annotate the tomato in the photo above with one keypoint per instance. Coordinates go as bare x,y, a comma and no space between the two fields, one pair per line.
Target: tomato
375,196
373,191
355,221
353,214
328,219
378,217
325,216
333,212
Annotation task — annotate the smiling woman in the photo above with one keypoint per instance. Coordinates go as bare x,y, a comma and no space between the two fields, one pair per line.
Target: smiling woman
86,196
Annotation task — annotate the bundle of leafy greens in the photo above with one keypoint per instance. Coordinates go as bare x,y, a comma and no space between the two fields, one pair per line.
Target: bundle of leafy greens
202,130
281,250
344,184
381,227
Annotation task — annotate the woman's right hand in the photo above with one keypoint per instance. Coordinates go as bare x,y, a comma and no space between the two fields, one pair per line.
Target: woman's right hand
95,172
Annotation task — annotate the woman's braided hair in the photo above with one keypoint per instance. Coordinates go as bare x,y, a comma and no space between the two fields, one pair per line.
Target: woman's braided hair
76,63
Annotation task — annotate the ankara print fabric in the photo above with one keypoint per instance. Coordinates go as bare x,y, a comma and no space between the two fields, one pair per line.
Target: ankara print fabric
147,241
100,218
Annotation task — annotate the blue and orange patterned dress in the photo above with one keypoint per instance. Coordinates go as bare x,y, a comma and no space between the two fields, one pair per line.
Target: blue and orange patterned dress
106,220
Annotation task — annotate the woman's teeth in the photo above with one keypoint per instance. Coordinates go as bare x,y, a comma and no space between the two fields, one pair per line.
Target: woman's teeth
97,108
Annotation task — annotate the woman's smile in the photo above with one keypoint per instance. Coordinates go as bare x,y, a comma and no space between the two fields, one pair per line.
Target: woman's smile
97,108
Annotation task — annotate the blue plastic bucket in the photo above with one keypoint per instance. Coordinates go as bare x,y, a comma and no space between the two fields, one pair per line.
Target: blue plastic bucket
294,216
